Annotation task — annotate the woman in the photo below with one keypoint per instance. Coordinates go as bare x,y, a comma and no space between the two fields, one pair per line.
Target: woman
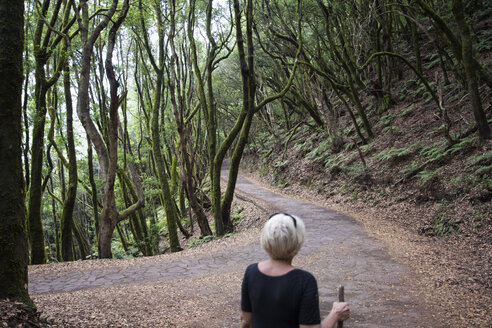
275,293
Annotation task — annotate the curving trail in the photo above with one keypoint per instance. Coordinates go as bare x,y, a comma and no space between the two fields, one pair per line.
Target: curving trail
337,251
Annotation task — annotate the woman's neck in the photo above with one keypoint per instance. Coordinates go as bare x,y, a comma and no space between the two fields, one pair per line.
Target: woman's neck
282,262
274,268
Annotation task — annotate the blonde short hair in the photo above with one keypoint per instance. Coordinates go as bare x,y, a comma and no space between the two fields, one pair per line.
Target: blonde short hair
282,236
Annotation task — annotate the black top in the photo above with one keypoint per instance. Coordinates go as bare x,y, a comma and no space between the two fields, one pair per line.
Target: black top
285,301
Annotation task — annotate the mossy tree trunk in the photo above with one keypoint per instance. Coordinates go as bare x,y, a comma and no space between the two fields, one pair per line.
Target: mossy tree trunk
107,155
208,105
92,181
186,153
346,62
67,224
470,70
249,106
45,42
13,242
454,42
160,167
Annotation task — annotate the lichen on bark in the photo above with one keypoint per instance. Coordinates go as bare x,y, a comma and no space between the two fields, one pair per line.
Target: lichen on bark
13,243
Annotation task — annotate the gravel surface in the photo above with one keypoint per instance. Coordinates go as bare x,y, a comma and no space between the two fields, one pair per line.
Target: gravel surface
444,272
395,294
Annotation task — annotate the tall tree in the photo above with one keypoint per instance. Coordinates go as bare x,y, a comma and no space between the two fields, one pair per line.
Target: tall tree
107,154
46,41
13,242
208,104
470,69
160,166
67,224
177,90
250,107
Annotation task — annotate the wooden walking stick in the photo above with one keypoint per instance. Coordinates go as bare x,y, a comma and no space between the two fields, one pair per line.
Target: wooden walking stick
341,298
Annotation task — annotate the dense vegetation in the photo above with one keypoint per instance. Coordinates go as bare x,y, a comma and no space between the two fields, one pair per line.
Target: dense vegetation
165,91
381,112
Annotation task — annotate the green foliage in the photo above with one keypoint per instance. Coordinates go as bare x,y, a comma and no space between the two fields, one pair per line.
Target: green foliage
365,149
426,176
205,239
433,152
444,226
282,184
334,162
321,151
483,170
236,216
462,144
410,167
386,120
407,111
484,36
479,158
348,146
267,144
279,165
355,170
478,217
390,128
433,61
304,146
457,94
118,250
200,240
393,153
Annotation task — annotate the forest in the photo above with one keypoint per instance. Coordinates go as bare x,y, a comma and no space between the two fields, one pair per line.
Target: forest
125,111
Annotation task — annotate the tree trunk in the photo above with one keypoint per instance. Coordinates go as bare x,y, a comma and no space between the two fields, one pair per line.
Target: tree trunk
207,104
36,234
160,167
92,182
42,53
186,153
249,91
470,70
13,243
69,202
107,156
455,43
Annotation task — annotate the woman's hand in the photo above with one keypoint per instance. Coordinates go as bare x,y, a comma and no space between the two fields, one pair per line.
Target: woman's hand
341,310
246,319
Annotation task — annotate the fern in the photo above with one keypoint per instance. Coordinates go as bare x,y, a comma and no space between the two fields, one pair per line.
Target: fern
427,175
280,164
334,162
434,152
386,119
410,168
434,59
483,170
391,128
367,148
443,226
463,143
393,153
477,159
319,152
407,111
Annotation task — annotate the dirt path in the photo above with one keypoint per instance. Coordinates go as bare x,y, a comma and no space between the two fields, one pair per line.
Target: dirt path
199,289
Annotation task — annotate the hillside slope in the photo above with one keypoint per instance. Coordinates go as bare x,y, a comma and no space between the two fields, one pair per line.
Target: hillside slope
426,196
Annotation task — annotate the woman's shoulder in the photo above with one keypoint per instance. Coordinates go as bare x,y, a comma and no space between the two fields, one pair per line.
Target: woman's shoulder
251,269
304,276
